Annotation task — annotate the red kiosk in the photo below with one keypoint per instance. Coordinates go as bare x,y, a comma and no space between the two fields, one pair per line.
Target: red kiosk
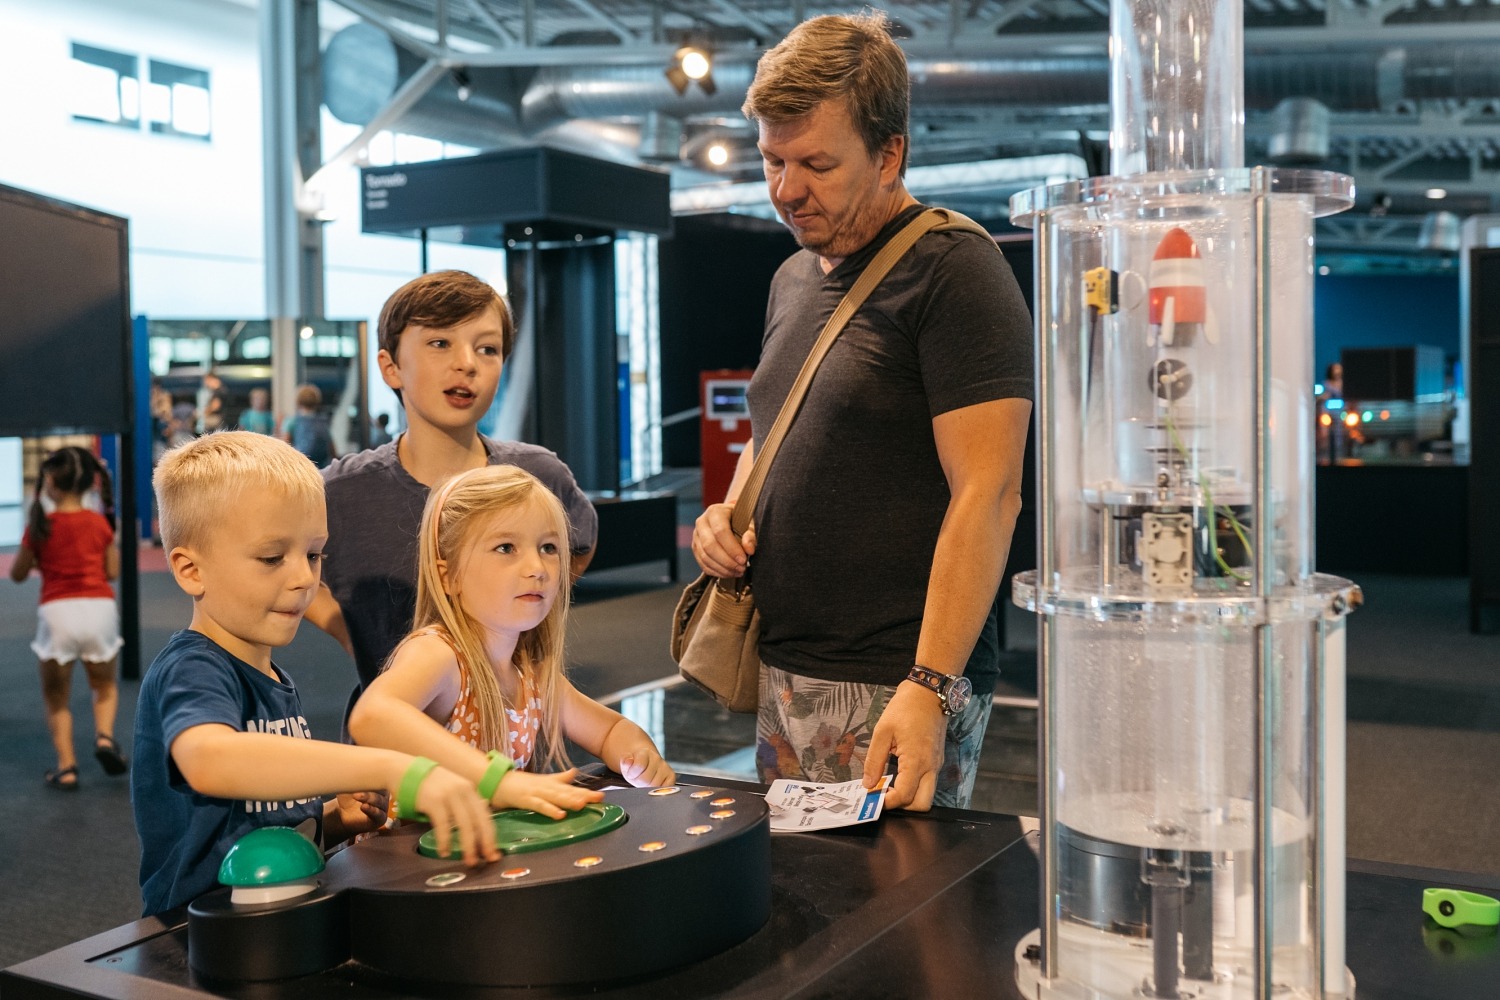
724,428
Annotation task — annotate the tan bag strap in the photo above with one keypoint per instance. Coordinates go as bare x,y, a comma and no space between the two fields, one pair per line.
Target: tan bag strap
932,220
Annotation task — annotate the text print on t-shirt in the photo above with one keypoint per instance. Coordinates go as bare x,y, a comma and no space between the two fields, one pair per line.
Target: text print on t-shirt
296,728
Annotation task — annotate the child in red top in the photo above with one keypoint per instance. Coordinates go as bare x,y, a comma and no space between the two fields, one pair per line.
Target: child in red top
74,550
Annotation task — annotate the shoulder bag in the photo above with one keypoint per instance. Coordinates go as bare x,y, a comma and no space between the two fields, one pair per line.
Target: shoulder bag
716,629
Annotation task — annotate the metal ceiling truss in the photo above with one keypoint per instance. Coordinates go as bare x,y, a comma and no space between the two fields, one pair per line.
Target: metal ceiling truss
1441,131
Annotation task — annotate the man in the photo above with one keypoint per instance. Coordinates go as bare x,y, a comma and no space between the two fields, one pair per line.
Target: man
880,537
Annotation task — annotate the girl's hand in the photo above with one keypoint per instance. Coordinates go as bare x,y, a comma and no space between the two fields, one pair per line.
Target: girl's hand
644,766
552,795
449,801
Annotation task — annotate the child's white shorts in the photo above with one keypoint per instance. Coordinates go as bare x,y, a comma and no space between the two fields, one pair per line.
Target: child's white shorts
77,628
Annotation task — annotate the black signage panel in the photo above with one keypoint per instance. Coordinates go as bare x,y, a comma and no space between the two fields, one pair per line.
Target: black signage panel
481,198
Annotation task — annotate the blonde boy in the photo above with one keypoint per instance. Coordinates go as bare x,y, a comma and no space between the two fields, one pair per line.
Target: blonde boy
221,744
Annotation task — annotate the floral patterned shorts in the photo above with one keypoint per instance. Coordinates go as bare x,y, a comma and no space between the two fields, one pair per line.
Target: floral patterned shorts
817,730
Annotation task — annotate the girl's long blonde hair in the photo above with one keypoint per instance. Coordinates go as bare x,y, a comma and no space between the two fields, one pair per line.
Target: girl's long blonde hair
455,511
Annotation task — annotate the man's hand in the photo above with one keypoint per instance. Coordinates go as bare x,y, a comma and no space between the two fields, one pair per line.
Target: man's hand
911,729
718,551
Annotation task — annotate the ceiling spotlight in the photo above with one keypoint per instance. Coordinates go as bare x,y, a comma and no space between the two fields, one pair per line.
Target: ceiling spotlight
462,83
689,63
718,154
695,63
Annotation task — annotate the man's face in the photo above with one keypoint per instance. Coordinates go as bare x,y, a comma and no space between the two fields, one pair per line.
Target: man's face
825,185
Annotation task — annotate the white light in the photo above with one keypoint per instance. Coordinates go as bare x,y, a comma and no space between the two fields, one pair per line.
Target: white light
307,333
1324,269
1437,193
694,64
718,154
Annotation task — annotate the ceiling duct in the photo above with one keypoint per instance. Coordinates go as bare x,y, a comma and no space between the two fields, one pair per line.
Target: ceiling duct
661,137
1299,131
363,67
1440,231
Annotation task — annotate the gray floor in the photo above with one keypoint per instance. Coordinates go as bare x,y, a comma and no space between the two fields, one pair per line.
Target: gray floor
1424,736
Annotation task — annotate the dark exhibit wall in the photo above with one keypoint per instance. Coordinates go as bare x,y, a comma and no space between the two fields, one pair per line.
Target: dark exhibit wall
64,318
715,277
1384,310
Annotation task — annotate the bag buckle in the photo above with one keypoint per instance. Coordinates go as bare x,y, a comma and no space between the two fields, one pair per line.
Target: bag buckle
736,588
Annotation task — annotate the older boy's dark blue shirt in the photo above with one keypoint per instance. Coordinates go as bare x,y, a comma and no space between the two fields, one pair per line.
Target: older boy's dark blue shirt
184,836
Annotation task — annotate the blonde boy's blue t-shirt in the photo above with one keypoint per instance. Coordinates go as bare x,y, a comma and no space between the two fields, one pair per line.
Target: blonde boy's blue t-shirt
184,835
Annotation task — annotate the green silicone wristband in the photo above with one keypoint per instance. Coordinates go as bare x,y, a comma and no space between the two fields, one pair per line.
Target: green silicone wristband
406,795
1455,908
500,766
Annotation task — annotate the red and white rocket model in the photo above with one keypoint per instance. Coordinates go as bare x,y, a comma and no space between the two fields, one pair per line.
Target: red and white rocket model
1178,295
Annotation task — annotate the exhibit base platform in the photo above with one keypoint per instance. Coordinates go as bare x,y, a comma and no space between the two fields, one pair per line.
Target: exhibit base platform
916,905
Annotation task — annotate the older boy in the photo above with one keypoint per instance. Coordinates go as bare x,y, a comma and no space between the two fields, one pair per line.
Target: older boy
221,745
443,339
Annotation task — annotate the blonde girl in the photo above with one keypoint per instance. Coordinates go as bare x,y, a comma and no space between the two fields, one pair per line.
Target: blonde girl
478,685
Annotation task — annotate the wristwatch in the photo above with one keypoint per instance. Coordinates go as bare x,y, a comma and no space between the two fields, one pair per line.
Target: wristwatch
953,690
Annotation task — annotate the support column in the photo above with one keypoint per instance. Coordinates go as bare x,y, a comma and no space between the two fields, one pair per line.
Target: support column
291,95
564,300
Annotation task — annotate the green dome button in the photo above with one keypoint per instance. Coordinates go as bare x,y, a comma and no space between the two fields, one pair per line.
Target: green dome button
268,856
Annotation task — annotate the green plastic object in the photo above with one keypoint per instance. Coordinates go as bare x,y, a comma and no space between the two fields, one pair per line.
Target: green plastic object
520,831
1457,908
268,856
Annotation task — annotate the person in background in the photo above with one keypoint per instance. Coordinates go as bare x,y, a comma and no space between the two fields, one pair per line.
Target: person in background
380,432
74,550
909,443
307,430
258,418
210,404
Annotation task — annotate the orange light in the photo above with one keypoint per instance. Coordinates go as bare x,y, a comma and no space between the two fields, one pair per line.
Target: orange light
1385,414
1325,420
1351,419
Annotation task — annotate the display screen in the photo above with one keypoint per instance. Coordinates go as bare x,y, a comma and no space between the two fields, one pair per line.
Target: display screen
727,399
64,318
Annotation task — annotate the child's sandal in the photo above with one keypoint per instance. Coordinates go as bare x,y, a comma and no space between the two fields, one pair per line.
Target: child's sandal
107,753
56,779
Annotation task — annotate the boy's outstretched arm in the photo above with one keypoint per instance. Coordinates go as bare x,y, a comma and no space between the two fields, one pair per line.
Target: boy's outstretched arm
614,739
221,762
391,713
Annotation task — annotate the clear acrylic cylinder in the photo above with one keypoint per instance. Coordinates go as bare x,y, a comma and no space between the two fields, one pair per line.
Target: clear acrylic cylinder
1186,641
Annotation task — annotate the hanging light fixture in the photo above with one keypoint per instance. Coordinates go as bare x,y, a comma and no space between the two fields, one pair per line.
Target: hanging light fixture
689,63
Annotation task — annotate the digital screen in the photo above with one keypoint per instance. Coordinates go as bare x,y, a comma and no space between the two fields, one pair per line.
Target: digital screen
726,399
64,318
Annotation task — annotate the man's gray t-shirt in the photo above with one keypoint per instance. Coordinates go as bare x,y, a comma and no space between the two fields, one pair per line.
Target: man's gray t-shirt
374,513
848,520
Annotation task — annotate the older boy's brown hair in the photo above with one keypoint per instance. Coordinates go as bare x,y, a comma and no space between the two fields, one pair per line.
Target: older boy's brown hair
851,58
440,299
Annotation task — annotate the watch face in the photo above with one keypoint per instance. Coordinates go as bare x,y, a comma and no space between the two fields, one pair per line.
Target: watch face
957,698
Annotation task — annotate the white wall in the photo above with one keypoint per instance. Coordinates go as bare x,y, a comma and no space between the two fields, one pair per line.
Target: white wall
196,209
